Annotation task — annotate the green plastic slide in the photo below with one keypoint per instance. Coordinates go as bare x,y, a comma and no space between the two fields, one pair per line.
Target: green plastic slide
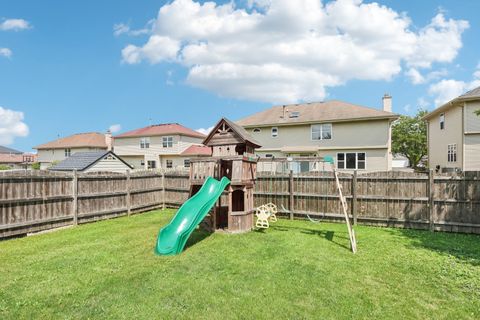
173,237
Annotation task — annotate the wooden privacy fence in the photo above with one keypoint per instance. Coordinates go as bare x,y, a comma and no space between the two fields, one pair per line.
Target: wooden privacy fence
31,201
397,199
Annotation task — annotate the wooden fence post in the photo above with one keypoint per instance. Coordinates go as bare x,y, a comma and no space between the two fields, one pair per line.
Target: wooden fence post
431,194
290,190
75,197
128,200
354,197
163,190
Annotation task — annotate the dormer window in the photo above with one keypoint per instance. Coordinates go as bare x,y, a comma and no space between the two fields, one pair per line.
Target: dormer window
442,121
294,114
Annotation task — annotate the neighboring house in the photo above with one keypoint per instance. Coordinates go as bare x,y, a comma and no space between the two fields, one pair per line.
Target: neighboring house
454,134
400,162
15,159
359,138
95,161
166,146
55,151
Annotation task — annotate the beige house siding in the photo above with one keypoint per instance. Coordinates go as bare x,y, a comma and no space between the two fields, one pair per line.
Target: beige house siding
131,146
135,161
372,137
47,156
344,134
472,152
109,165
438,140
472,121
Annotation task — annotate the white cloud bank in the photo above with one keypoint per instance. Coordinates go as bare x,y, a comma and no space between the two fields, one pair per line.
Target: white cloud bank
288,51
11,126
448,89
5,52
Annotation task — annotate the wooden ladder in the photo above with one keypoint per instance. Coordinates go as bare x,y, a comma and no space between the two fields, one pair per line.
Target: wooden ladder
351,232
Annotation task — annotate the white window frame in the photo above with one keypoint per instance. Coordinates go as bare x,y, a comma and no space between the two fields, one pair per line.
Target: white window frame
145,143
167,142
168,164
452,153
356,161
274,135
320,131
442,121
68,152
186,163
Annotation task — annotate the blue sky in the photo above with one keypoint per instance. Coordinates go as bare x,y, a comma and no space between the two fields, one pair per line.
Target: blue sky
67,71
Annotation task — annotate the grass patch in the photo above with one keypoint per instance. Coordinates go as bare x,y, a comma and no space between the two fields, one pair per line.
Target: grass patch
293,270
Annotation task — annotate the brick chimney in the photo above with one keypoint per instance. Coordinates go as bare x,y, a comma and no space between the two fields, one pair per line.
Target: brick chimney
387,102
109,140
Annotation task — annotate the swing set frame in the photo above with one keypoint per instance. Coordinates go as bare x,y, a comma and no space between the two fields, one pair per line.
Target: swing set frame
328,164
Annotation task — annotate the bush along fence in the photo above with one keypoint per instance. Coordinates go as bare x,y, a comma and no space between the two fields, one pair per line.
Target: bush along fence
32,201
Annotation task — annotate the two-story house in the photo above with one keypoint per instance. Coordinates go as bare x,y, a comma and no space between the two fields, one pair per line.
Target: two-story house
14,159
454,134
166,146
359,138
57,150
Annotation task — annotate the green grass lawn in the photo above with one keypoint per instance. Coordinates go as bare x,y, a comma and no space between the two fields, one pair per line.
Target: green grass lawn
293,270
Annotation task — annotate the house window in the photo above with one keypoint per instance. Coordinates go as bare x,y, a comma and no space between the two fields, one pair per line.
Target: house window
274,132
145,143
257,130
442,121
322,131
352,160
268,155
152,164
68,152
452,153
169,164
142,163
167,142
186,163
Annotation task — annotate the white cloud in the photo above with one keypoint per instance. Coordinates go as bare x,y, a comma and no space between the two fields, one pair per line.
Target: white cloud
5,52
115,128
11,126
205,131
415,76
422,103
407,108
272,55
14,25
122,28
448,89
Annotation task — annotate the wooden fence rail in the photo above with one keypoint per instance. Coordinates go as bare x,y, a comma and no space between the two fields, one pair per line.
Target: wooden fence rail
31,201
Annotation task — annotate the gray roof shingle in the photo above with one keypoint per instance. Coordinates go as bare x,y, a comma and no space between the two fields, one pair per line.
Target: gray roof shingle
474,93
80,161
9,150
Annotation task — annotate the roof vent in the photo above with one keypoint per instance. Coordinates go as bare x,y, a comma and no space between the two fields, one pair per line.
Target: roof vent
294,114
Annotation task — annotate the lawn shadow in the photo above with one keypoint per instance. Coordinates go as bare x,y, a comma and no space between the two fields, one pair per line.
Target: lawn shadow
464,247
329,235
197,236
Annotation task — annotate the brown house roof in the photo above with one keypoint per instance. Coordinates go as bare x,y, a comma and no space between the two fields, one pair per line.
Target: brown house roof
16,158
89,139
161,130
467,96
197,151
333,110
